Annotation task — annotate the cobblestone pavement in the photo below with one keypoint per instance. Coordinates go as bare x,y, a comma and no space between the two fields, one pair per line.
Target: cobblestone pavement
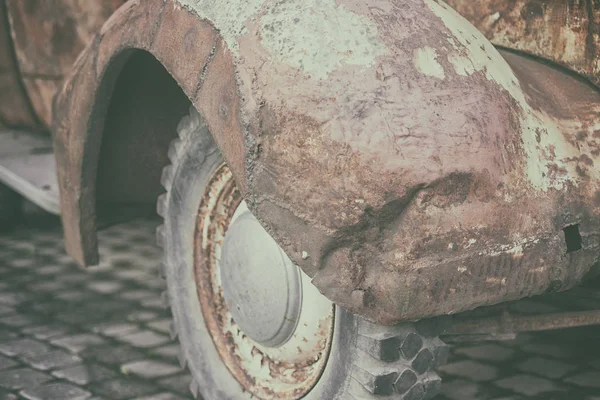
102,333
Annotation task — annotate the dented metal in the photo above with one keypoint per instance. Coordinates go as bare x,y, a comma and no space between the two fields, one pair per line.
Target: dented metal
412,171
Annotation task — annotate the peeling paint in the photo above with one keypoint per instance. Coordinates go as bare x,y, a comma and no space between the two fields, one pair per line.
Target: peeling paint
474,53
425,60
318,36
229,17
315,36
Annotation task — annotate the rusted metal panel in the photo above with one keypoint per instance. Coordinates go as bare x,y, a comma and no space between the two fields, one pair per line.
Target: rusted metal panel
410,171
15,109
565,32
81,105
48,36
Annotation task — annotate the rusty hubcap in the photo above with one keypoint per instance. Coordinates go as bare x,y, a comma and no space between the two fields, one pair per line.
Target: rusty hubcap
271,326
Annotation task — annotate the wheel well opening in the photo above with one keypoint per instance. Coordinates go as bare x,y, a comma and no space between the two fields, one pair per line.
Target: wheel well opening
141,120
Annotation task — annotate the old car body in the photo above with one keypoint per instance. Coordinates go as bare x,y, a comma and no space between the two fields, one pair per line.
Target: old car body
407,165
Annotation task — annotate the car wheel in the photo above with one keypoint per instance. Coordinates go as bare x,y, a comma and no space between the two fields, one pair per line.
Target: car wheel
250,323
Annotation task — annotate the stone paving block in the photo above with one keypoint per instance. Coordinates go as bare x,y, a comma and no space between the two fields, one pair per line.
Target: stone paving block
134,274
7,334
149,369
23,347
139,294
18,321
53,359
161,396
472,370
178,383
84,374
527,385
547,350
460,389
77,343
105,287
170,351
51,270
11,298
45,332
113,354
74,295
48,286
139,316
115,329
587,379
74,278
153,302
6,363
22,378
55,391
145,339
546,367
158,284
163,325
6,310
487,352
121,388
6,395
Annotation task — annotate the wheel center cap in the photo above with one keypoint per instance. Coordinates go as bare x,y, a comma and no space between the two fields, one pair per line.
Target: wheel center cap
261,285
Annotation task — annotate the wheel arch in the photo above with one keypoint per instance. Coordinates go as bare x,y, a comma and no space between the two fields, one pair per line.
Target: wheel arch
153,49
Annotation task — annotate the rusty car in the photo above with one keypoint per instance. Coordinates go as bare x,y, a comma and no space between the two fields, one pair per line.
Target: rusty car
340,182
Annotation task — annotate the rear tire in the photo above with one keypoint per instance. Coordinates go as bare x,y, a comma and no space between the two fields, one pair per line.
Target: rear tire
365,360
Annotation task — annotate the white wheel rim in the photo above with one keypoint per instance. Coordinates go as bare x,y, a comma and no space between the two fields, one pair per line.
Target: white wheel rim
287,359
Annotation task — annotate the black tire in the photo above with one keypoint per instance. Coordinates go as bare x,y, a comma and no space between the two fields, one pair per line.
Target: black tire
11,208
366,361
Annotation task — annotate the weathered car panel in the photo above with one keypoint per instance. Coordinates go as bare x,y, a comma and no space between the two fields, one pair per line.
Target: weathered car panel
15,108
48,37
411,171
565,32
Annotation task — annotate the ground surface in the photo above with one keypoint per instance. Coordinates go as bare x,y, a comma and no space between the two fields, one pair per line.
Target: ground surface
101,333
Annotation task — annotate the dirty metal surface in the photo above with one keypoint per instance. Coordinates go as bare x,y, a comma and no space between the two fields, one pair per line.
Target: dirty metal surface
15,109
27,165
48,37
440,182
565,32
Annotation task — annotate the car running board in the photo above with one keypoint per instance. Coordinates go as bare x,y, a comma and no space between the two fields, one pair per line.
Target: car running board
28,166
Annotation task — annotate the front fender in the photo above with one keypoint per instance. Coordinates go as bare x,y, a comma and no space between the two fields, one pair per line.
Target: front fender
388,147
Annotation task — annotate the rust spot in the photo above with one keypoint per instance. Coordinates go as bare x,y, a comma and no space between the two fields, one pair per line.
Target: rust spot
64,38
451,190
532,10
581,135
584,158
597,198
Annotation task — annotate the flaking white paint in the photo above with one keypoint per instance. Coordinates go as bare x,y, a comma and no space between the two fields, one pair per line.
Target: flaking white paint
319,36
315,36
471,53
229,17
425,60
